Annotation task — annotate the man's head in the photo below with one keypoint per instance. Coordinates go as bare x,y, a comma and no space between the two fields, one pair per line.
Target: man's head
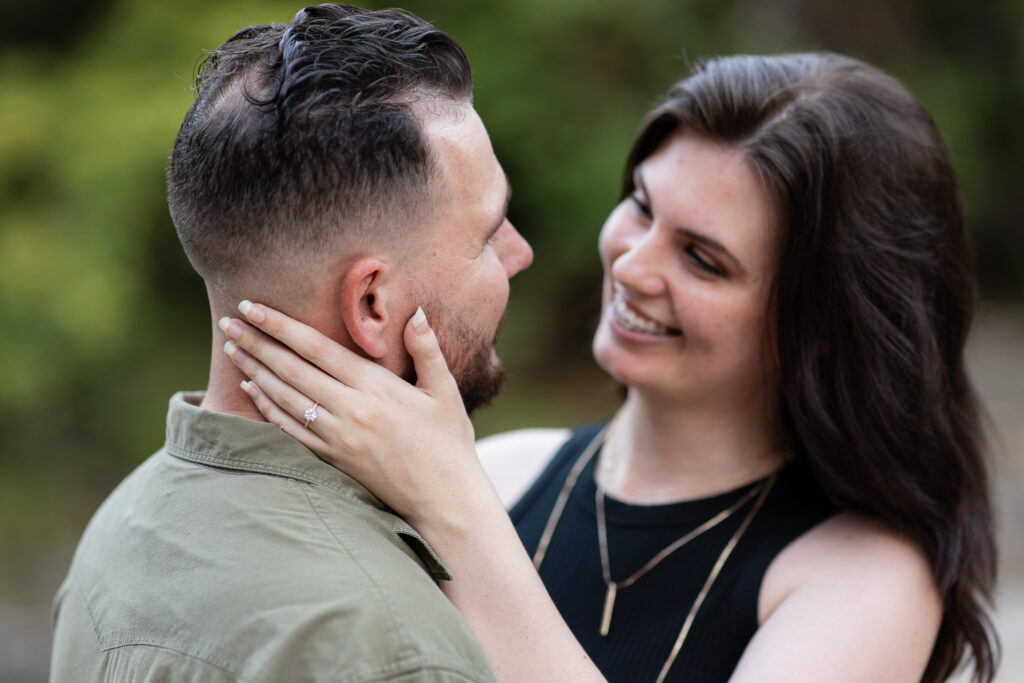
334,167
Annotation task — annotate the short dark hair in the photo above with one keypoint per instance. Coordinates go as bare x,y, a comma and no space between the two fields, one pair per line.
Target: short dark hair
872,302
301,130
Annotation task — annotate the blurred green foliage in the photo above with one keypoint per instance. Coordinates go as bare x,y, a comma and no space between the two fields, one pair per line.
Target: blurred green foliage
102,318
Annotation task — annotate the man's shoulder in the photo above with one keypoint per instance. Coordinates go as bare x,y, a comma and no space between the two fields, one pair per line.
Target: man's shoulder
234,568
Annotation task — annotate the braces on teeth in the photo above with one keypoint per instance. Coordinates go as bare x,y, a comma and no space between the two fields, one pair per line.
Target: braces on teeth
635,322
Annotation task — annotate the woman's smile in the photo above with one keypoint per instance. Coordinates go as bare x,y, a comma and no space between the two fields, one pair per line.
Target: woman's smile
628,319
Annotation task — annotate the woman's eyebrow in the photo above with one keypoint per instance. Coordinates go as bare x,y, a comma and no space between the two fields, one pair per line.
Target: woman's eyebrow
695,235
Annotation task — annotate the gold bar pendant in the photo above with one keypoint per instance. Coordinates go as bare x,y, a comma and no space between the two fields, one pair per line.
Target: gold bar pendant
609,605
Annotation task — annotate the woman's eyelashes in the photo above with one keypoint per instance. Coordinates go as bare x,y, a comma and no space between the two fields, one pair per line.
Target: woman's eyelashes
698,259
641,206
693,252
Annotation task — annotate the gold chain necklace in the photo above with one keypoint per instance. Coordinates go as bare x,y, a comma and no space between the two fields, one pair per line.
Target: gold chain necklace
556,514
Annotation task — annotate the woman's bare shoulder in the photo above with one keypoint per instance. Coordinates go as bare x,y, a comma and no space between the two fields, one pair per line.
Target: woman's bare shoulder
513,460
849,536
847,587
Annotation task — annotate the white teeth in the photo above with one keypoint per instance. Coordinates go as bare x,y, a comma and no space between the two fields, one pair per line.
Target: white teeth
633,321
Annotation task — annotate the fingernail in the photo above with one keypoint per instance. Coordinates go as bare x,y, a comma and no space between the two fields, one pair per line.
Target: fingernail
230,348
253,313
250,388
419,321
232,330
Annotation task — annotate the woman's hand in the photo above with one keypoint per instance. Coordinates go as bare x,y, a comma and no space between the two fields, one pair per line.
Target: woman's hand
412,446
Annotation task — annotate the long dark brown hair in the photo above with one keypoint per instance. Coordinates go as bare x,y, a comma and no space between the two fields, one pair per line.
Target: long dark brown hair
872,302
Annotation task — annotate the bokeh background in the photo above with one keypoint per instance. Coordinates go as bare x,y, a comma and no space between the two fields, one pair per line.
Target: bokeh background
101,318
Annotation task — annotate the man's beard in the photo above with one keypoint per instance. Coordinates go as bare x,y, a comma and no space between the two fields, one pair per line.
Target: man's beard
478,372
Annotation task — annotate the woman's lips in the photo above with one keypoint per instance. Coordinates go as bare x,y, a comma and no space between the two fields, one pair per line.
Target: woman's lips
634,321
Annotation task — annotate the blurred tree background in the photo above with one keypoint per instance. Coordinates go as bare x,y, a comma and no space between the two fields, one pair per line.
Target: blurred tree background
102,318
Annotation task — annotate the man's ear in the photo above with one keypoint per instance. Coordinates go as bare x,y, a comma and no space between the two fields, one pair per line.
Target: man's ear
365,305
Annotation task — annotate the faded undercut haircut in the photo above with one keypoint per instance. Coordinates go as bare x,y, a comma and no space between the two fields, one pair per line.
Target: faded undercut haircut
303,132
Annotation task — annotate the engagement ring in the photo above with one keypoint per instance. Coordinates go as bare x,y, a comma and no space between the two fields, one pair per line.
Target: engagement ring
311,414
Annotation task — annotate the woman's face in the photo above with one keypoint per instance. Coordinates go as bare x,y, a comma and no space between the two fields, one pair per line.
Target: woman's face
688,262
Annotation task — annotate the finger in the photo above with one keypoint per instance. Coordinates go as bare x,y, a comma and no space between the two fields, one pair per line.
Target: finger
284,395
317,348
282,361
288,424
432,371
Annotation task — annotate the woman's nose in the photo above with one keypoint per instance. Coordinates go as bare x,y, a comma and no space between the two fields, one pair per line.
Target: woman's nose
640,266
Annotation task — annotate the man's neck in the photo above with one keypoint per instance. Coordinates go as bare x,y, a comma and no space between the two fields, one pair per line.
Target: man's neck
223,391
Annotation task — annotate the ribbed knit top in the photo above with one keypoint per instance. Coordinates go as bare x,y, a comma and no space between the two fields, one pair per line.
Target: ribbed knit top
649,614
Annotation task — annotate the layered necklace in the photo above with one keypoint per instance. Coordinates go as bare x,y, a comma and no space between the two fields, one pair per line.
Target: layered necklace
759,492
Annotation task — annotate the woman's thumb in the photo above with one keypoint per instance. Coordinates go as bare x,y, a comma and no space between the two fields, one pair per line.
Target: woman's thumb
420,341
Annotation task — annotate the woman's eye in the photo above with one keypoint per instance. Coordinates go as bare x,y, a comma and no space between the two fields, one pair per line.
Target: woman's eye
704,264
640,206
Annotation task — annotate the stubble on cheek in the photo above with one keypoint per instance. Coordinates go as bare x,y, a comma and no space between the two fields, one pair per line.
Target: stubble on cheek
470,356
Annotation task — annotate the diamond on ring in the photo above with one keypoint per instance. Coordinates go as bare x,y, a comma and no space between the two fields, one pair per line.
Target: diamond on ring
311,414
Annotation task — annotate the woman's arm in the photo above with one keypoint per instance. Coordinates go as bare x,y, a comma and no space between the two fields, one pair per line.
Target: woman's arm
498,591
413,447
849,602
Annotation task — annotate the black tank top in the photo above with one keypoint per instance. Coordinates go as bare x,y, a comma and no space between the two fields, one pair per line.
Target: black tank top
649,614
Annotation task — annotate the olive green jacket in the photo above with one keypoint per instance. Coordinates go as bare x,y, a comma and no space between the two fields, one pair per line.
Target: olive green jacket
235,554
